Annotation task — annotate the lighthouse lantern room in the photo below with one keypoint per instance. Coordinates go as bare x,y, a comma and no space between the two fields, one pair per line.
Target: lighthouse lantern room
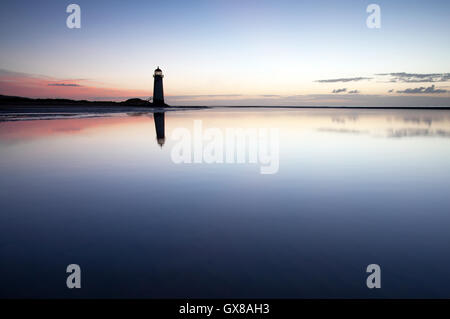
158,93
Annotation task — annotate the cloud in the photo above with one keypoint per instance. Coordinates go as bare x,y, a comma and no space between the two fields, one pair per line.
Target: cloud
63,84
353,92
339,90
394,77
355,79
423,90
416,77
390,91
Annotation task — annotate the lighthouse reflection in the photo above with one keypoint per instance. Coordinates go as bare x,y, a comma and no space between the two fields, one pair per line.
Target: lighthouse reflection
158,117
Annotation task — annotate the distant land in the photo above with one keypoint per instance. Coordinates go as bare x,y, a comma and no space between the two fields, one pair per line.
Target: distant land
13,108
6,100
16,103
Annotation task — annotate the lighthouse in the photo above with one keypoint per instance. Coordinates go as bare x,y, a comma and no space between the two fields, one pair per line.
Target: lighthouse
158,94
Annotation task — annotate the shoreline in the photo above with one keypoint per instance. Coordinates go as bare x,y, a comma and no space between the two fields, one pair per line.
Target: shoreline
45,112
17,104
15,109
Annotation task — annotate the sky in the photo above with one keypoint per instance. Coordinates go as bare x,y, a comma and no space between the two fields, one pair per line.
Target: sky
247,52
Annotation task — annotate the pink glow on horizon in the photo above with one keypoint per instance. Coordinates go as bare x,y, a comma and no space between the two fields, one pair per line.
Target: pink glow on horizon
18,84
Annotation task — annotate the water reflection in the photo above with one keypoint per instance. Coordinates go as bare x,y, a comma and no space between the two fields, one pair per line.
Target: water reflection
379,123
389,123
411,132
159,127
100,192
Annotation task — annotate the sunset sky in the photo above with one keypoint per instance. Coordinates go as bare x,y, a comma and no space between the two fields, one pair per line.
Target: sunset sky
229,52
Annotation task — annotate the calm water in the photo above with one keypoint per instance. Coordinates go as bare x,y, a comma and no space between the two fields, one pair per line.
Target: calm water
354,187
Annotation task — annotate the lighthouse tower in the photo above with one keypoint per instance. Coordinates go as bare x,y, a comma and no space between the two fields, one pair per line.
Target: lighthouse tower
158,94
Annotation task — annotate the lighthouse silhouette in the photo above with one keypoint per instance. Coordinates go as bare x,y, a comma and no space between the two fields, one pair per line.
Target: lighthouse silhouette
158,94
